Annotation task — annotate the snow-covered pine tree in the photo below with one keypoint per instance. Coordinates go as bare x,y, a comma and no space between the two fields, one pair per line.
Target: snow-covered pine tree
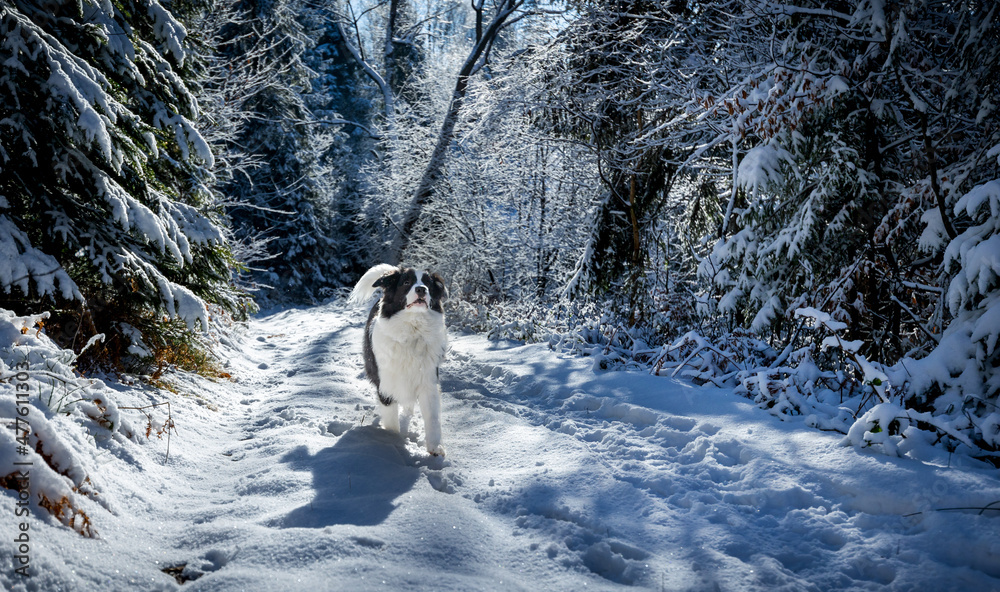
944,58
286,198
846,144
339,100
105,183
864,161
802,169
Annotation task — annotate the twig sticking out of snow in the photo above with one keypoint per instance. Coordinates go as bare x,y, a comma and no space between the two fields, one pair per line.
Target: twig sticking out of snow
158,429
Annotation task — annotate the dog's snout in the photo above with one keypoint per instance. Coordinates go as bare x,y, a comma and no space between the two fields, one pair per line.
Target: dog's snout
421,291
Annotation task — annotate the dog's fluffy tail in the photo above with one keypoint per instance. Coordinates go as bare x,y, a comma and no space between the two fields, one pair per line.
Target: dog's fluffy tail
364,289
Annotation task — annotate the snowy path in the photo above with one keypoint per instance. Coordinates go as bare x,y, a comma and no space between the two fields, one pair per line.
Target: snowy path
556,478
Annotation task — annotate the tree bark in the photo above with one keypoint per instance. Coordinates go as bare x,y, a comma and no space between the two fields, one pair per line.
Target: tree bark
432,173
387,96
424,193
949,228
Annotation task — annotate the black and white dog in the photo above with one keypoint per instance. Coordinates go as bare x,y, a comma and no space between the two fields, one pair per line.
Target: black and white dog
404,344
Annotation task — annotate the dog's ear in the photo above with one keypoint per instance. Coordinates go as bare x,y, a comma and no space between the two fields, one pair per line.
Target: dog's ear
440,292
387,281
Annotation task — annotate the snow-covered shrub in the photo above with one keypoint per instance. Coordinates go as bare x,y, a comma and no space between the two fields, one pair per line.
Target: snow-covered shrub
581,327
51,417
959,379
528,321
888,408
821,377
708,361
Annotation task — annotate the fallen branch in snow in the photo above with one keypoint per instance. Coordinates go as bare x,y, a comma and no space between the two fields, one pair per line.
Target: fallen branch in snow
703,347
994,506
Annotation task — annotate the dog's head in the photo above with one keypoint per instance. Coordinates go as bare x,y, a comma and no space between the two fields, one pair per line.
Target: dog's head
411,290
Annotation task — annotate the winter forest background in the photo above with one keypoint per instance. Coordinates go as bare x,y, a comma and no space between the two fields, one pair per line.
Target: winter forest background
797,199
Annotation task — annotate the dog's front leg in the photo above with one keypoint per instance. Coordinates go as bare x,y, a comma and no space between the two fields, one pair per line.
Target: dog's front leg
389,415
430,409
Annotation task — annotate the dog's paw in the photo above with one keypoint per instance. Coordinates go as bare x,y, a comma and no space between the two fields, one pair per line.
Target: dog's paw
436,450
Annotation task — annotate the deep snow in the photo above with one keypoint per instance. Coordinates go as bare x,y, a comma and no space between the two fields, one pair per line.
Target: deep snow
557,477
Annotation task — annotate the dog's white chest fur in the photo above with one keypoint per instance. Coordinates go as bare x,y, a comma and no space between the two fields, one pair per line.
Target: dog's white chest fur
409,349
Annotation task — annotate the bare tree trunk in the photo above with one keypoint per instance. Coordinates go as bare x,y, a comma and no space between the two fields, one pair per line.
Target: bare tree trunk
432,173
932,171
435,166
390,39
387,96
398,52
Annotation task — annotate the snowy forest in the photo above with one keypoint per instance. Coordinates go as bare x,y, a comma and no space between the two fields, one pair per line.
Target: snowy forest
796,201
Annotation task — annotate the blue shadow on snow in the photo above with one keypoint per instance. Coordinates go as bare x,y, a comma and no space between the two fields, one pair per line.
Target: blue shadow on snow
357,480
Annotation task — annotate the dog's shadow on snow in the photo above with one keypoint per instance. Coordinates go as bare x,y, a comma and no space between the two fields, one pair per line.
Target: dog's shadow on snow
357,480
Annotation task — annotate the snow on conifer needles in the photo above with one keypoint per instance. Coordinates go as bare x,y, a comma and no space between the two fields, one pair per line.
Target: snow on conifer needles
104,175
